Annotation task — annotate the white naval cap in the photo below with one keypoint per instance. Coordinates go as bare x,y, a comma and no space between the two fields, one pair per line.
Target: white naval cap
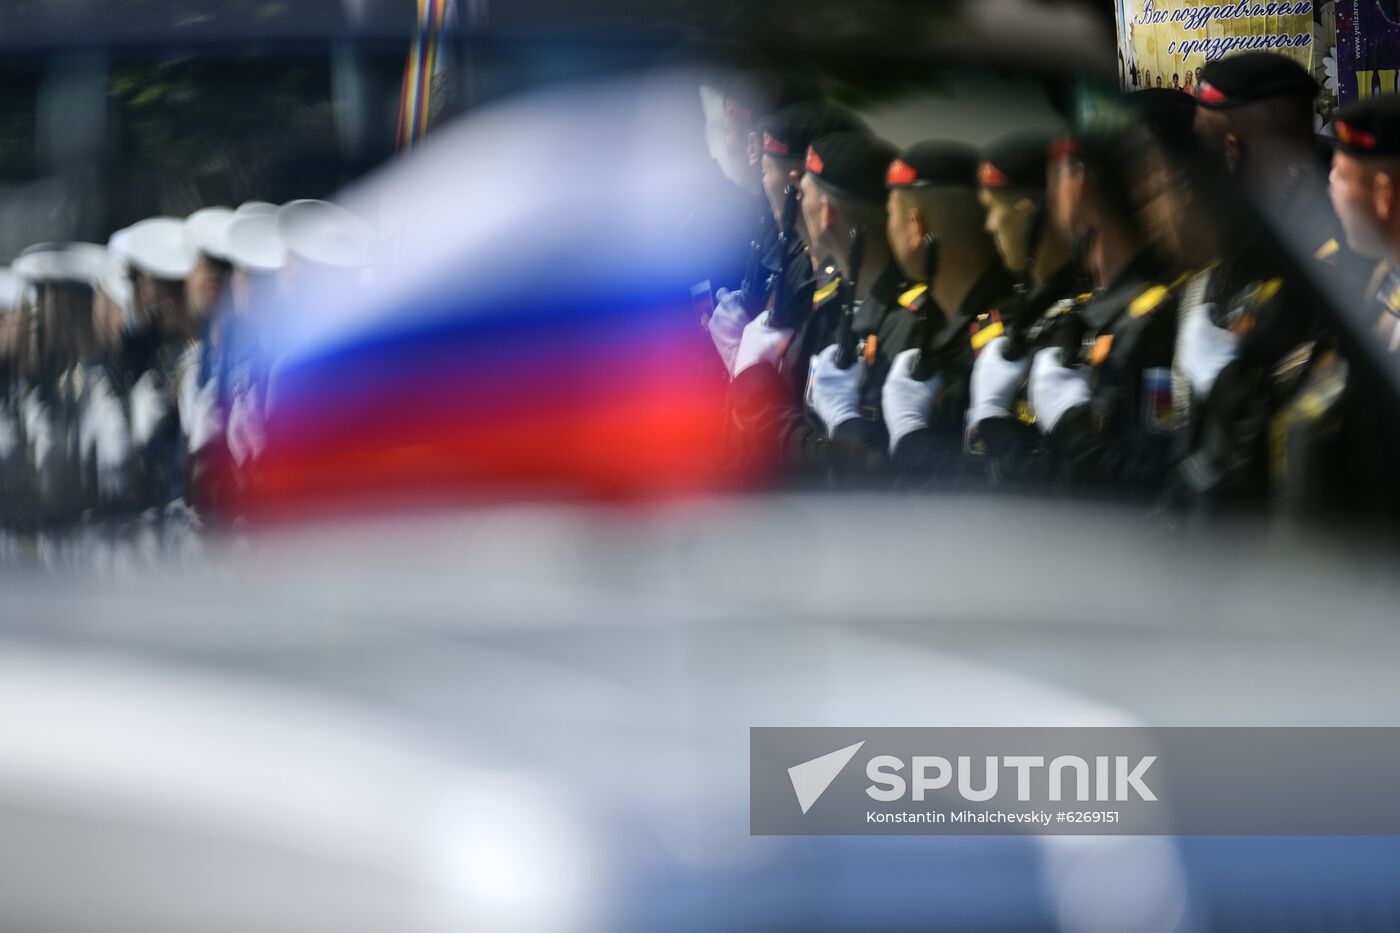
79,263
251,242
206,231
117,244
11,289
156,247
323,233
255,207
115,283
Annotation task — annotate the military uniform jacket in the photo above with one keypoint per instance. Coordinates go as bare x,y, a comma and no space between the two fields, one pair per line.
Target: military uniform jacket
1231,458
884,326
767,260
1010,450
1334,433
769,428
1119,444
936,455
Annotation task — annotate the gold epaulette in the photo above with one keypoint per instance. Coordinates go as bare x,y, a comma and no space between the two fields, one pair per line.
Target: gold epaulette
1389,292
826,291
910,298
1150,300
1378,276
1268,290
985,328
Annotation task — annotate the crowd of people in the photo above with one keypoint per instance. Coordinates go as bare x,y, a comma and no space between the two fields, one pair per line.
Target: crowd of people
1105,313
134,386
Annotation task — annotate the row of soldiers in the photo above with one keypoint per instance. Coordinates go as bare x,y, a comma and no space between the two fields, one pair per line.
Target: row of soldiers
1110,313
134,382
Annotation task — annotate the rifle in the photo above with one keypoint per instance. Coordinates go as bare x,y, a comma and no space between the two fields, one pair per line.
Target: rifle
781,315
1032,243
752,291
1038,327
927,361
846,349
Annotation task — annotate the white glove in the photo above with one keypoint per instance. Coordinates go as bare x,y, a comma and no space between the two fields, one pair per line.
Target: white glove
995,380
726,327
205,418
834,393
1055,389
103,431
1205,349
245,435
148,406
761,344
904,400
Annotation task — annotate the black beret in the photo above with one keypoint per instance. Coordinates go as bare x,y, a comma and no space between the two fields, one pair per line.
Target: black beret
1250,77
934,162
852,164
1369,127
749,96
1168,114
791,130
1015,161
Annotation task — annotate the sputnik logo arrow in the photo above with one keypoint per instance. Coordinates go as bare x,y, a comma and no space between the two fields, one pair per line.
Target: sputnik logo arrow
811,778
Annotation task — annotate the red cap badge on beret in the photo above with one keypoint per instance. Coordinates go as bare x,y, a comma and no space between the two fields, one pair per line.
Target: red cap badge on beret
1210,94
1349,135
901,173
989,176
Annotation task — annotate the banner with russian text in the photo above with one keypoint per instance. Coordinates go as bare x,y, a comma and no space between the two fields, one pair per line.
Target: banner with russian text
1166,43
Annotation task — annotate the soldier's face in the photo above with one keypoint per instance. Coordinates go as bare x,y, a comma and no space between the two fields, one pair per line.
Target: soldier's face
813,204
1009,223
1363,210
777,175
203,289
1064,195
50,320
1211,127
162,303
903,231
66,312
1166,207
736,146
108,319
146,292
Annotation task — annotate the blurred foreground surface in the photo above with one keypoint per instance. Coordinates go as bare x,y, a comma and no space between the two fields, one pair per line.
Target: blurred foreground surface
537,718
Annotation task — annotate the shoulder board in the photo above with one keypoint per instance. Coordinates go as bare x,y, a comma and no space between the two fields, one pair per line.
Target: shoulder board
1391,295
826,291
986,328
910,298
1328,251
1267,290
1148,301
1378,275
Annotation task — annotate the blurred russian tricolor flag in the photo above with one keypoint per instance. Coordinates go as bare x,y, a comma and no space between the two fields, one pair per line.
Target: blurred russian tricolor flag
526,327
